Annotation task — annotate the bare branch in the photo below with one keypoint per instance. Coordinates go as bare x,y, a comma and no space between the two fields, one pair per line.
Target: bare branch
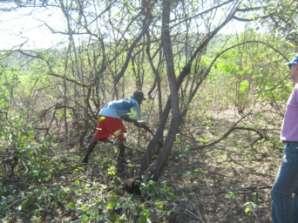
51,72
225,134
200,13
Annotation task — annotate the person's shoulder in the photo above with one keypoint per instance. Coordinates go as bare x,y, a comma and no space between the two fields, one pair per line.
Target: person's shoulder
125,102
117,101
134,101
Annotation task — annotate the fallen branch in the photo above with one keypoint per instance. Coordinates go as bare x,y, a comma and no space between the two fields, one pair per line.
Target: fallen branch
226,134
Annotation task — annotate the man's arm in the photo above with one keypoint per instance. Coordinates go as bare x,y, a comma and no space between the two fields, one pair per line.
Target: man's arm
128,119
138,123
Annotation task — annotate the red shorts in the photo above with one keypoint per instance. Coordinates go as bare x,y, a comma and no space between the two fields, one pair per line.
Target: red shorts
109,128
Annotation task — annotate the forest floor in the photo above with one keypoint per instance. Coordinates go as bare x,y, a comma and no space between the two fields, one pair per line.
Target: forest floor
229,181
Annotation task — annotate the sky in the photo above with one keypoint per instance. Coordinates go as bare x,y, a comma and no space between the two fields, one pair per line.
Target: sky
26,26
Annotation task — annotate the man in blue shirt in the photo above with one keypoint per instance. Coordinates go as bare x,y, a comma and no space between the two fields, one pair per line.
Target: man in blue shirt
110,126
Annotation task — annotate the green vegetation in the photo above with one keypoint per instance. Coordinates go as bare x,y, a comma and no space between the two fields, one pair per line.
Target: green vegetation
215,149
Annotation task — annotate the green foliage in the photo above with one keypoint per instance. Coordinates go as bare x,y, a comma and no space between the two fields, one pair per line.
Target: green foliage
114,207
35,160
243,86
44,193
157,190
283,18
231,195
251,72
34,202
112,171
8,82
249,208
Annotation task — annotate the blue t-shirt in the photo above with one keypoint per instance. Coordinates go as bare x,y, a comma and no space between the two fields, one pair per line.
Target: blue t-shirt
121,107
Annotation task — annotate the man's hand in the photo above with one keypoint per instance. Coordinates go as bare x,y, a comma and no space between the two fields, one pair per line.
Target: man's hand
143,124
140,123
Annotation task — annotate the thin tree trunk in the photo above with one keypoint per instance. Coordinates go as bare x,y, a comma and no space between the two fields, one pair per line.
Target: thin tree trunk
174,102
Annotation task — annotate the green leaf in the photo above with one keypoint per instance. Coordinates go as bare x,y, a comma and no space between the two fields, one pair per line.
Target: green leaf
112,171
244,86
71,205
249,207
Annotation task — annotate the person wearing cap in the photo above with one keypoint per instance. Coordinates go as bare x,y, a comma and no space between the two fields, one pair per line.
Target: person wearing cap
110,125
284,192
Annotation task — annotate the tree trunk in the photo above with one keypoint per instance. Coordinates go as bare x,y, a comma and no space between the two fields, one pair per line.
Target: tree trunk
164,154
174,102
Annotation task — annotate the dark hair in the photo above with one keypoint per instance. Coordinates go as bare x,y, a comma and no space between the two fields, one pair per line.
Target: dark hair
138,95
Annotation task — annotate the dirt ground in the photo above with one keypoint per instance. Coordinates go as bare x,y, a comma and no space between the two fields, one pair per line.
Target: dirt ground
229,181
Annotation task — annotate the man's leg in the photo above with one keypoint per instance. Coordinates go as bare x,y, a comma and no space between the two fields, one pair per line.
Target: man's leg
100,134
284,186
121,160
89,150
295,206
